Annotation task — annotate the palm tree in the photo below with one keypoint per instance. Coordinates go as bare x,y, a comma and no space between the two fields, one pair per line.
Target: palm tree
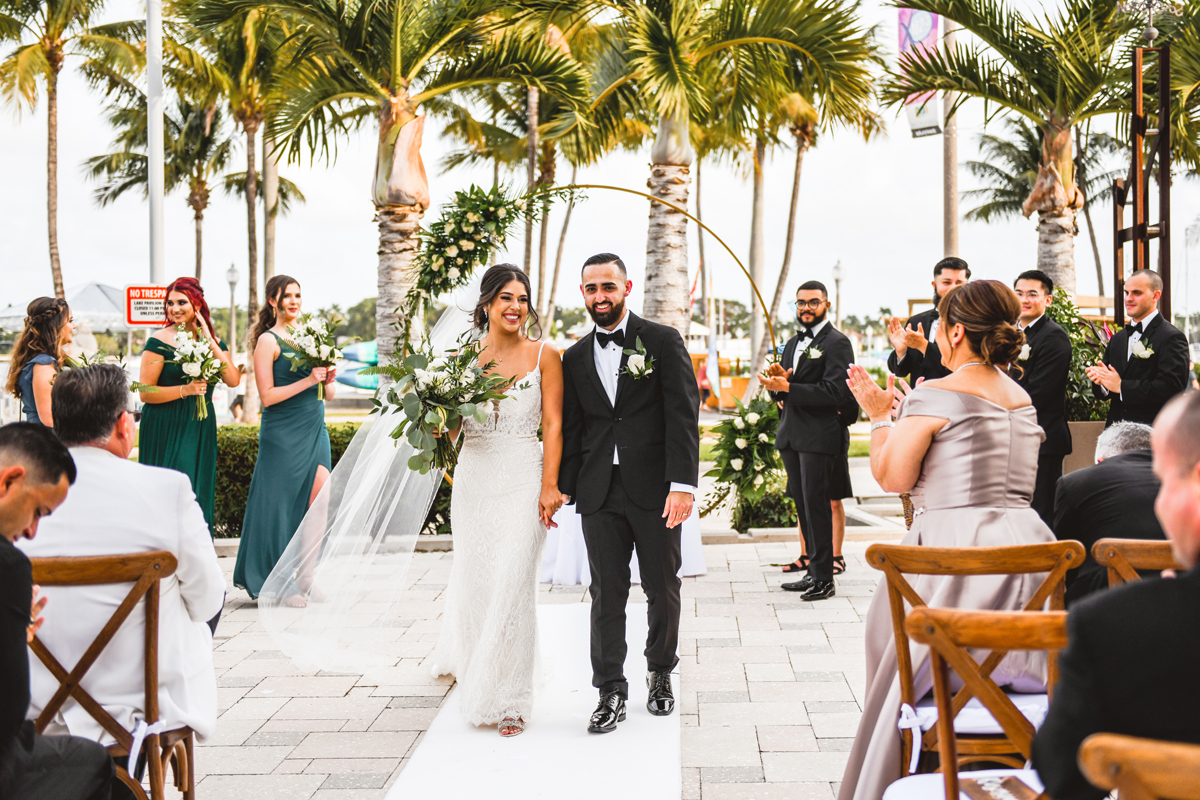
662,52
1009,170
45,33
1056,72
357,61
198,148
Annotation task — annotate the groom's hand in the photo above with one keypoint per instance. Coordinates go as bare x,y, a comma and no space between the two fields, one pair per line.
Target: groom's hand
678,508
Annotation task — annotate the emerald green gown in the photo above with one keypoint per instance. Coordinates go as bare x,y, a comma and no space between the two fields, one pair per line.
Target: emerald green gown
171,436
292,442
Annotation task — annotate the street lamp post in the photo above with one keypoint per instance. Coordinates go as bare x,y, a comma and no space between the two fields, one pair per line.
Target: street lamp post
231,275
839,272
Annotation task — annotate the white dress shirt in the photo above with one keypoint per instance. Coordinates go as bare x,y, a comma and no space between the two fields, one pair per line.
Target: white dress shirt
806,341
608,366
1023,326
1136,336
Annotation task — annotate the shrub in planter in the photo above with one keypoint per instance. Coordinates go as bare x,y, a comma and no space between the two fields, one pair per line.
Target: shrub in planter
1087,346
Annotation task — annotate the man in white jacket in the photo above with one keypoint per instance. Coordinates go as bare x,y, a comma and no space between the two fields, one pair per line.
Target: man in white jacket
119,506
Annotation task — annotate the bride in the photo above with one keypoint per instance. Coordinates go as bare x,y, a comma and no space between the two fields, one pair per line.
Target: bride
505,494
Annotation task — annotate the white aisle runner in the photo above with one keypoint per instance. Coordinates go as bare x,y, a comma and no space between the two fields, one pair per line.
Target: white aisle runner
555,756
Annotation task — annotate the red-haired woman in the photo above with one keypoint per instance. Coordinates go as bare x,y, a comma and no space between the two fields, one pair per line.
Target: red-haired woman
170,434
38,356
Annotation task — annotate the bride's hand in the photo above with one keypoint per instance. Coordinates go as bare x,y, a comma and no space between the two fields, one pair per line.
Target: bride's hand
875,402
548,505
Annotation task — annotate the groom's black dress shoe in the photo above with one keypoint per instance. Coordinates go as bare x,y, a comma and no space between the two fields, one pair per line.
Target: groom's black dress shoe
820,590
606,716
802,585
662,701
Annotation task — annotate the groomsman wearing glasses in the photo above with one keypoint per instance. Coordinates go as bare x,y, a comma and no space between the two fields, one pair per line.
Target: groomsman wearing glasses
1146,363
810,381
1044,365
915,353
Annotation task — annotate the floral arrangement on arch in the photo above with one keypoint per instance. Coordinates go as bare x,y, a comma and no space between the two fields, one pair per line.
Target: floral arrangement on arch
745,454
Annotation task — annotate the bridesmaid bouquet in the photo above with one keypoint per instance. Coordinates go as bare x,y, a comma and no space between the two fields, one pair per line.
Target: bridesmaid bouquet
195,356
313,342
436,391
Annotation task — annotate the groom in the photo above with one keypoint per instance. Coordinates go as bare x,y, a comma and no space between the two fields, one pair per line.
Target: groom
630,463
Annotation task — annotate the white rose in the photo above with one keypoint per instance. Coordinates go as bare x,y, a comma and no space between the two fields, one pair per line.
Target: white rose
436,265
762,437
758,467
192,370
452,274
758,481
736,463
636,363
739,423
451,251
468,228
741,443
471,217
502,213
1024,353
468,245
324,351
752,418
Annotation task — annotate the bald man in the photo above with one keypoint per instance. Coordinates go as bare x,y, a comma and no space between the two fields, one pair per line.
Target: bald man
1133,653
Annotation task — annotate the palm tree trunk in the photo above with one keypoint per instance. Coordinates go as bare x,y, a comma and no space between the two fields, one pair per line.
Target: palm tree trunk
198,200
199,218
1087,215
1055,196
531,125
398,227
270,204
1056,247
667,285
756,239
250,404
562,241
545,178
704,313
803,142
52,179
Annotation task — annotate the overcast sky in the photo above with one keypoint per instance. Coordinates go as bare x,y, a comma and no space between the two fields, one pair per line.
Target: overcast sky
876,207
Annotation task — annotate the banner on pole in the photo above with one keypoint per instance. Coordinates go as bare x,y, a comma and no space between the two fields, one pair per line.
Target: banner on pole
144,305
918,34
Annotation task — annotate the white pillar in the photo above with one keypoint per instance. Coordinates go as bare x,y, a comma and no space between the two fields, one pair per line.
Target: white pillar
155,145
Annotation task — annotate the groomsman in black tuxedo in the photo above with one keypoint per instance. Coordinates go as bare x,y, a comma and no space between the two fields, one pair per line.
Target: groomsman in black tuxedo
914,351
1146,363
630,462
1045,364
810,380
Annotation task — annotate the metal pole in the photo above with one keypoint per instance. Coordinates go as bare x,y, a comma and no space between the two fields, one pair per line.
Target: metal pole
154,108
950,162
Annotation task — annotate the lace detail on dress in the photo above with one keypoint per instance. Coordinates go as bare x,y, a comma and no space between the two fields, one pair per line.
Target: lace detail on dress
488,639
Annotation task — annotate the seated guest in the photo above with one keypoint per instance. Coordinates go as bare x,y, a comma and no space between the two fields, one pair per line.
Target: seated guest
1112,500
120,506
35,472
1132,653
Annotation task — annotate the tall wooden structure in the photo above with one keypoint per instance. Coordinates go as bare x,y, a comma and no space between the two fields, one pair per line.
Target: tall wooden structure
1135,188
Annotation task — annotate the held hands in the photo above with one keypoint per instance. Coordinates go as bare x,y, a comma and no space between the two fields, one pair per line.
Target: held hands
35,621
549,504
877,403
678,508
1105,376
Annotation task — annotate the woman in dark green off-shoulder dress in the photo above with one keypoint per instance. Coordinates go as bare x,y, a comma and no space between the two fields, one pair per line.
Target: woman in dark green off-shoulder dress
293,443
170,435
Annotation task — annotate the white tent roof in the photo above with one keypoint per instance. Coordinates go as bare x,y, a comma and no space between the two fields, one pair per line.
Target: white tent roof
100,307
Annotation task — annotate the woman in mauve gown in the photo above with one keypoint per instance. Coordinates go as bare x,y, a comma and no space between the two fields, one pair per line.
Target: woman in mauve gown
966,446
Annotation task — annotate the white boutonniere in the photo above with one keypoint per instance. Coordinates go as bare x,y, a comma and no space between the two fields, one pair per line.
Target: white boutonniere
814,352
1142,350
1024,356
639,365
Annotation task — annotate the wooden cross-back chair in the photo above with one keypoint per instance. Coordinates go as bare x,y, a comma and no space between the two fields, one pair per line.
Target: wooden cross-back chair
951,635
896,561
1124,557
1141,769
144,571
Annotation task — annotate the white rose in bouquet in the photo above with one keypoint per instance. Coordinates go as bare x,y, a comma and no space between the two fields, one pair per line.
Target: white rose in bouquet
762,437
324,352
452,274
192,369
451,251
739,423
752,418
736,463
741,443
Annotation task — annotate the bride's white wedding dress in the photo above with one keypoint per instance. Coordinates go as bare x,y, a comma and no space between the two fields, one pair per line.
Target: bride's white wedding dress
488,639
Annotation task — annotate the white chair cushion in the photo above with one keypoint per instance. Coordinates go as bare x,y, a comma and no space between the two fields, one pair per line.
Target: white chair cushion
976,719
933,785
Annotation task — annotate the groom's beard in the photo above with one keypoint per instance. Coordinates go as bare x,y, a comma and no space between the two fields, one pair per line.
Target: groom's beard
610,317
813,319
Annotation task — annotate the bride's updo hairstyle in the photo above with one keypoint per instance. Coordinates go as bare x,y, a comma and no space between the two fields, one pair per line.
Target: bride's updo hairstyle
494,280
988,312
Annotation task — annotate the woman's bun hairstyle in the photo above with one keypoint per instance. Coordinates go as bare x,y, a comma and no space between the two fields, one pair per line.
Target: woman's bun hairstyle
988,312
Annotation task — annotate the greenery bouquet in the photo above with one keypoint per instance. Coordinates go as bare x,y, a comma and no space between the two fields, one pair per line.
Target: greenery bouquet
195,356
745,454
314,345
436,391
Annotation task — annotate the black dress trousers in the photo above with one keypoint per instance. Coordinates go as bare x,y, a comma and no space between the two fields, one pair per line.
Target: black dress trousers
809,478
1049,470
612,534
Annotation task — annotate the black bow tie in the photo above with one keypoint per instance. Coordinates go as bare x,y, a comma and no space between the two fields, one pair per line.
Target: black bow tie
617,336
1134,327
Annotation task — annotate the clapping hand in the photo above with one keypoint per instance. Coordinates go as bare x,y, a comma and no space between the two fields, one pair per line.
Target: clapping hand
877,403
35,621
1103,375
775,378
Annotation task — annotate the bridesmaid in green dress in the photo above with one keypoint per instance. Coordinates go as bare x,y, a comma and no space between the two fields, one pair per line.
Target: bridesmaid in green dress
170,435
293,443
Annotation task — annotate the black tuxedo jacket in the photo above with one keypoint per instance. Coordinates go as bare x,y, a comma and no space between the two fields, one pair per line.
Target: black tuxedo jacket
809,420
915,365
1146,383
1044,375
1113,499
654,424
1130,668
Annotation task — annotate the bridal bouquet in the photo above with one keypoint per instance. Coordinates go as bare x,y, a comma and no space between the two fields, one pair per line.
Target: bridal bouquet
312,340
437,391
194,355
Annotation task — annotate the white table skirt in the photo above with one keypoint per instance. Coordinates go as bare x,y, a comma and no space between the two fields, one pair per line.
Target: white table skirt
565,560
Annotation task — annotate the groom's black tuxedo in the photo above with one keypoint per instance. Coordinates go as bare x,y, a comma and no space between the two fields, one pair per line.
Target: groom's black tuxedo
810,439
1146,383
652,427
